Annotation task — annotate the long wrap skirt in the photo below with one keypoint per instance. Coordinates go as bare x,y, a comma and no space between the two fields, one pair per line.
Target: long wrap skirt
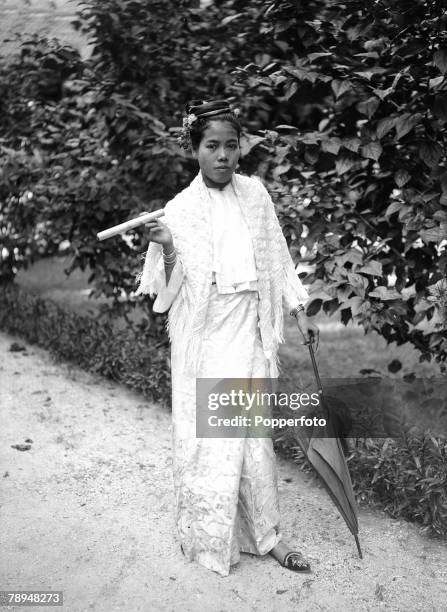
226,493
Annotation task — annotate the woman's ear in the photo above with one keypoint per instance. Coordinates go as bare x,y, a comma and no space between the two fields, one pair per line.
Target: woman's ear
194,153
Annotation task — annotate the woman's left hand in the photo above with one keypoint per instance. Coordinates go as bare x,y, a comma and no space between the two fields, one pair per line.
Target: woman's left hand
309,330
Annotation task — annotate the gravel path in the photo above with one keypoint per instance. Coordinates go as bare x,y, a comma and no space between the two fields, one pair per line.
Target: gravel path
87,510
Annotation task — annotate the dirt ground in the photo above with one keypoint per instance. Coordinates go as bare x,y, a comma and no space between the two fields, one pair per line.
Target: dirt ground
88,510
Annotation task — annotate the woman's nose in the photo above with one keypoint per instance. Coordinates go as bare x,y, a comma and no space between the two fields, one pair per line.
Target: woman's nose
222,154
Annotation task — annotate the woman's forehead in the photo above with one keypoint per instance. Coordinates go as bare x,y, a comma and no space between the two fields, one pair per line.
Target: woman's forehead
220,130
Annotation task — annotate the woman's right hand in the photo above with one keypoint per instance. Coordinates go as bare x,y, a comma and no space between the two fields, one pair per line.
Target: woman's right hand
159,232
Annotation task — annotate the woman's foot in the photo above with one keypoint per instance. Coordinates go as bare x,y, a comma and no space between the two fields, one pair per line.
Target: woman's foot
290,559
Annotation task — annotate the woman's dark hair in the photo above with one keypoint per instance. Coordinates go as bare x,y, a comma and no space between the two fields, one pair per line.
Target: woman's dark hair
199,115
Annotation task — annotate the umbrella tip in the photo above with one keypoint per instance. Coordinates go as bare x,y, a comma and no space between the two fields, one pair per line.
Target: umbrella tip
358,547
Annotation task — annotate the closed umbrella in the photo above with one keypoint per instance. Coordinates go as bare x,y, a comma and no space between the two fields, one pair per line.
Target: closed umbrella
325,453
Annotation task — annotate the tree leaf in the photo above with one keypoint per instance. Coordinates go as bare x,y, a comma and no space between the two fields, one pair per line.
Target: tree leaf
367,74
430,153
310,138
248,141
331,145
231,18
401,177
384,293
440,59
314,307
340,87
286,127
343,164
352,144
291,90
373,267
393,208
385,125
435,82
406,123
313,56
372,150
352,255
383,93
354,303
368,107
440,215
321,295
358,282
433,234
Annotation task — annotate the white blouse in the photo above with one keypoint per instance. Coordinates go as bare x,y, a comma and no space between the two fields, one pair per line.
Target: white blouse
234,266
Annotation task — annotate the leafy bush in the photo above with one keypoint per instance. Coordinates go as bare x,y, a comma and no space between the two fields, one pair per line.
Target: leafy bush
348,102
60,181
407,478
130,356
346,105
357,157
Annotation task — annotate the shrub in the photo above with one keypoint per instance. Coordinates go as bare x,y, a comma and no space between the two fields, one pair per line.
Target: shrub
129,356
407,478
355,151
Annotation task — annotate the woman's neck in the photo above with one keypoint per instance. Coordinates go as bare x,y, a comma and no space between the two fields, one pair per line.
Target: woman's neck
210,183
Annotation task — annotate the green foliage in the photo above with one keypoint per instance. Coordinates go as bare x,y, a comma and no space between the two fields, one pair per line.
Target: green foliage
357,157
60,179
407,477
130,356
345,105
29,81
163,52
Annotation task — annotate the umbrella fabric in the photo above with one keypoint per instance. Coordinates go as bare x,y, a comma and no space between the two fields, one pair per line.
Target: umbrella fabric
327,457
325,453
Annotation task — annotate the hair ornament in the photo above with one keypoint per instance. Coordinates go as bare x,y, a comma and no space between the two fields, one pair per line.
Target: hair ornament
189,120
199,110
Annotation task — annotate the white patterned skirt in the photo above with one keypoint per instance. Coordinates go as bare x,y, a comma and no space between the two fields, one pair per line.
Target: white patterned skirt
226,494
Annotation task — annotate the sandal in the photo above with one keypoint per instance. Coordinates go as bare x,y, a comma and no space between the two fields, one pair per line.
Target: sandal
296,562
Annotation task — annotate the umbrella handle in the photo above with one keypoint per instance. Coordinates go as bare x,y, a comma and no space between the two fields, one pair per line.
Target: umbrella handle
314,365
317,376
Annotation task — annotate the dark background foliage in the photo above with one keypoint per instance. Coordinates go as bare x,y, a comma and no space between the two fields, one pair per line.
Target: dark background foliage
344,107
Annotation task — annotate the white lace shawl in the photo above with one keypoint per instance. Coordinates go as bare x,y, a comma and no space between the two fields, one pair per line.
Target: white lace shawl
187,216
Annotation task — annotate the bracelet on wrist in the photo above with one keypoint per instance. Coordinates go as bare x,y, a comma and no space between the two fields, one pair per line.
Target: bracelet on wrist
170,260
170,263
296,310
170,252
170,256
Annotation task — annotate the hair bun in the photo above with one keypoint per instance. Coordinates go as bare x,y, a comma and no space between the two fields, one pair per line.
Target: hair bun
202,108
197,114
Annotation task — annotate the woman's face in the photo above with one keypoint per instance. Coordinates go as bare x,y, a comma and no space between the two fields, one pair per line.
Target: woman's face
218,152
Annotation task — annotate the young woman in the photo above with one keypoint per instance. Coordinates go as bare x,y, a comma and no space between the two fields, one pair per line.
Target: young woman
220,264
